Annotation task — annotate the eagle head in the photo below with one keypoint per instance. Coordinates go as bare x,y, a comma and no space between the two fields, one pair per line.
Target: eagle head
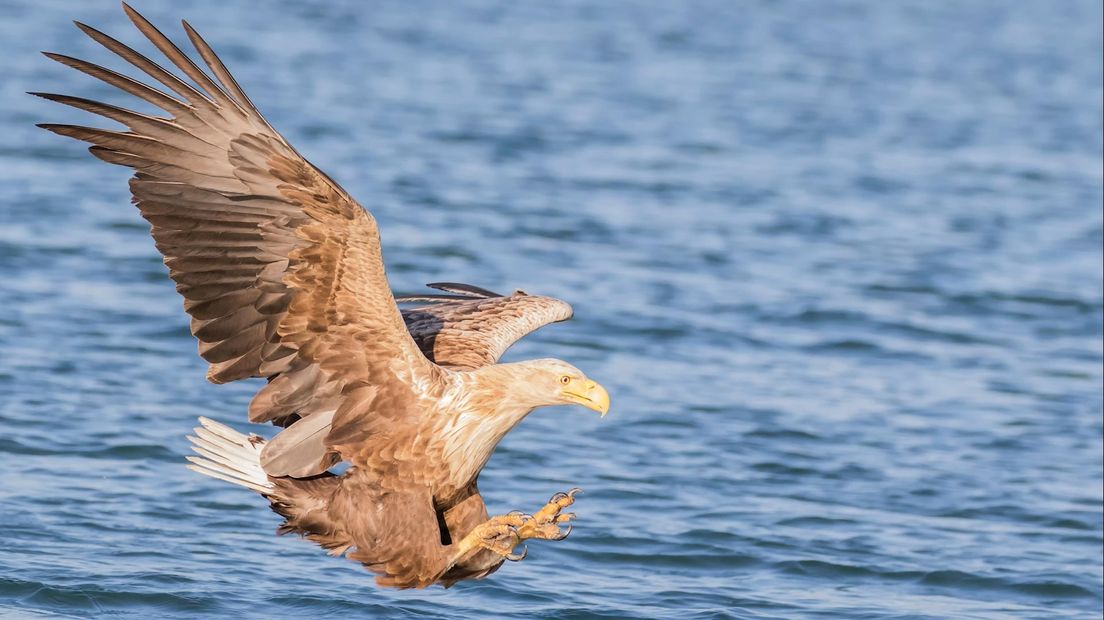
555,382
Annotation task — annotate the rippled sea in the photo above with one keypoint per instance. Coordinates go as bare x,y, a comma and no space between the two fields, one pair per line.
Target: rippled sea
839,263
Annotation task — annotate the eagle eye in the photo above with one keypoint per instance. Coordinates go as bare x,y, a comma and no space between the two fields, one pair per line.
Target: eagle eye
565,379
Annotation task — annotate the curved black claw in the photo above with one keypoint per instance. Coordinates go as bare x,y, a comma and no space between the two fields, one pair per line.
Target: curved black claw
562,535
559,496
517,557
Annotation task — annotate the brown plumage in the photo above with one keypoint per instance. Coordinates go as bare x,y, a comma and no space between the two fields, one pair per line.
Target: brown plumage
282,276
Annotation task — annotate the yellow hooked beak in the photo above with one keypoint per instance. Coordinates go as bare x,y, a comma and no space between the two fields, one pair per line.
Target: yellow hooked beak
592,396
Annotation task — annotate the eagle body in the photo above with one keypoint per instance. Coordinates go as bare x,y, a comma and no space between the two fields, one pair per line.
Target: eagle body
282,276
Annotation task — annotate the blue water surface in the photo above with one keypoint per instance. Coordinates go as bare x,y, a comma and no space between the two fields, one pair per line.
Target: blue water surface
839,263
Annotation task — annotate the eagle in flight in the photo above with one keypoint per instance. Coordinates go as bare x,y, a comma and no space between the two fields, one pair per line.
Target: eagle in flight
281,273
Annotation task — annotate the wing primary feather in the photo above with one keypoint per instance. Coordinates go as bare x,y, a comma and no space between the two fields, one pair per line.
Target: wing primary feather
149,67
136,121
468,290
219,69
173,53
150,149
124,83
115,113
433,297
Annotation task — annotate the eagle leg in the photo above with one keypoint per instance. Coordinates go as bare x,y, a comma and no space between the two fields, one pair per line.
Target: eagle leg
545,524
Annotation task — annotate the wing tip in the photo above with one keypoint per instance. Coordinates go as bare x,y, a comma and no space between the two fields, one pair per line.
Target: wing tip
85,28
131,12
59,128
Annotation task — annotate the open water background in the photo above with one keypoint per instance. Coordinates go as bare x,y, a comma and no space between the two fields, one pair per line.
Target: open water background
839,264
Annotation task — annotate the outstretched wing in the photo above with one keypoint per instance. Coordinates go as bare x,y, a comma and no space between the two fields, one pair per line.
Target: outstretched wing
279,267
473,327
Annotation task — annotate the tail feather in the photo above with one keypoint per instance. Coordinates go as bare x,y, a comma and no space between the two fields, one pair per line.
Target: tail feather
228,455
304,503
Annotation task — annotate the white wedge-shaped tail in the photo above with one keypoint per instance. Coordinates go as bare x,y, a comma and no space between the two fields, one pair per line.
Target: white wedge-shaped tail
228,455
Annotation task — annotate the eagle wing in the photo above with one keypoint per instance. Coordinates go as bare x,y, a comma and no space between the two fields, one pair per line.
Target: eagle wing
472,327
280,269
